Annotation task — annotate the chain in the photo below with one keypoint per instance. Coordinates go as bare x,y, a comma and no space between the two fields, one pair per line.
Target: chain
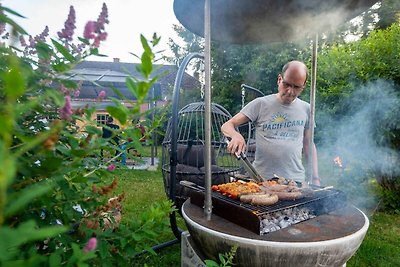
243,96
202,91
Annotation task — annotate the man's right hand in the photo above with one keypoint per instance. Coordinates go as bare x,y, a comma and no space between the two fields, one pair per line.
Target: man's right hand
237,144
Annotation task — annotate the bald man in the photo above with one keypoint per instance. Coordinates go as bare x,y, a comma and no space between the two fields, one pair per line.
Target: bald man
282,123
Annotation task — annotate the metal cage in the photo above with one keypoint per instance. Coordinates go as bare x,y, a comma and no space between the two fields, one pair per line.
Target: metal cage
190,149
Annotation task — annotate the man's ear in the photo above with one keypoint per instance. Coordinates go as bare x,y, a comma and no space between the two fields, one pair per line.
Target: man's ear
278,79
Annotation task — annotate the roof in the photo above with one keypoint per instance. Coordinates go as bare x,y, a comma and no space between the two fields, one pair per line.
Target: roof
97,76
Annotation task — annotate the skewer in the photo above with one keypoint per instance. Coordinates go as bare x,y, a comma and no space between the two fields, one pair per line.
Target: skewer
322,189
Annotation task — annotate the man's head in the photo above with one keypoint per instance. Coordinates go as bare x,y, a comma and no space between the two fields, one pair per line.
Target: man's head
291,81
110,119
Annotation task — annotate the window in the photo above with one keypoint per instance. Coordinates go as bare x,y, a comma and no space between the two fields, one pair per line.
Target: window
102,118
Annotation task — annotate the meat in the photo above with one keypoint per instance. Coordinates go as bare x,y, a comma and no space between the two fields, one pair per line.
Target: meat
235,189
247,198
259,199
284,192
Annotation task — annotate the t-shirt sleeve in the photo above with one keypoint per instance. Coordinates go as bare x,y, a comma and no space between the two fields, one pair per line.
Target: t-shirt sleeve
251,110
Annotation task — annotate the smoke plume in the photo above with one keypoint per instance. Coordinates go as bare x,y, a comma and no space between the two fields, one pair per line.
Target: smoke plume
360,139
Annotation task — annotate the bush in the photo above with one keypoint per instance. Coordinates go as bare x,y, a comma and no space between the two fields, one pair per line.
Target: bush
54,206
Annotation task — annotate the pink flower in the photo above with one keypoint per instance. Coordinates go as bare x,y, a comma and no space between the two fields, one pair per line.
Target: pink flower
90,28
111,167
77,92
95,29
66,111
102,94
91,245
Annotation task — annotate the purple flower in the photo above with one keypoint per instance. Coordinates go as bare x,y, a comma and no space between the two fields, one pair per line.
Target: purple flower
102,94
91,245
66,110
22,41
69,26
42,37
2,28
77,91
111,167
103,17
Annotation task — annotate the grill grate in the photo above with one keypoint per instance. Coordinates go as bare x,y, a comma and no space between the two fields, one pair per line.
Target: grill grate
249,216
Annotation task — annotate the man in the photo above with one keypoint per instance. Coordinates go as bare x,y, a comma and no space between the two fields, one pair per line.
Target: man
109,134
282,128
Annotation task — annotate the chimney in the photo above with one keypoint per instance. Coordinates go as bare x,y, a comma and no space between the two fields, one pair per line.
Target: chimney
116,59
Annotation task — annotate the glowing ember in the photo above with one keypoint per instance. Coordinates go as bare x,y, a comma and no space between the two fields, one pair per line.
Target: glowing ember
338,162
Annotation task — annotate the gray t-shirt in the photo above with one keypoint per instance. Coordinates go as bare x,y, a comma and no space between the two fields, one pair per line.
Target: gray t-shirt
279,136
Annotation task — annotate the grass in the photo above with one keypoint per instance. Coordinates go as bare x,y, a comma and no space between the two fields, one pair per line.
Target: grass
381,246
143,188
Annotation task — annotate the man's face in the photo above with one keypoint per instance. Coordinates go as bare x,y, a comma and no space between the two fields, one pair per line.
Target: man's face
291,84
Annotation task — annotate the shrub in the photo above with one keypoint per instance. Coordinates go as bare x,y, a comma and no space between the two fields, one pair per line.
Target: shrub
54,206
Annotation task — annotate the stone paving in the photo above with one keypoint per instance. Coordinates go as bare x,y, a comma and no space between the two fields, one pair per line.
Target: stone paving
143,163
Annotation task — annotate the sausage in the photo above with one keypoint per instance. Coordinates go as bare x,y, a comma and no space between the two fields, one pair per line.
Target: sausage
246,198
264,200
284,194
259,199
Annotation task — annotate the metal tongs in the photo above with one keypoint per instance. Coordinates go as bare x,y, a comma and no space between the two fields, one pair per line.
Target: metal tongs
248,166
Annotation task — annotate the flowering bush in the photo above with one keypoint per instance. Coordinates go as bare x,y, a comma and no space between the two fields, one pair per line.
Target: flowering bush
54,206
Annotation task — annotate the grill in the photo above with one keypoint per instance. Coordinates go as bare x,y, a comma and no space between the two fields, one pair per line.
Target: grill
249,216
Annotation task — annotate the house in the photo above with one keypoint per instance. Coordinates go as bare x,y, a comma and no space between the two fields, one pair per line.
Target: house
97,76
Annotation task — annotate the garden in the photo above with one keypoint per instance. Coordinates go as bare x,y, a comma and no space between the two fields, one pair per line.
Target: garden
61,204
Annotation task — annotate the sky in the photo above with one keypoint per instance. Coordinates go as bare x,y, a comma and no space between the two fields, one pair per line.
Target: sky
128,19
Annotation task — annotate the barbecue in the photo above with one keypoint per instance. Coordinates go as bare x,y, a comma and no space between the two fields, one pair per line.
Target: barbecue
326,240
257,218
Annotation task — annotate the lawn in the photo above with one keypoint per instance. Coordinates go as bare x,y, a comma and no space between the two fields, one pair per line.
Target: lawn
381,246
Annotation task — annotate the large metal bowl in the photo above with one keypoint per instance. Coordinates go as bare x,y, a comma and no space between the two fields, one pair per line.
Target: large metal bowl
327,240
261,21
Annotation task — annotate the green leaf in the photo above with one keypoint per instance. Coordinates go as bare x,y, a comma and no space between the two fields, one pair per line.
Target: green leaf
50,164
80,179
56,96
14,81
55,259
83,40
5,19
93,130
69,84
137,237
145,44
156,39
117,113
25,196
211,263
8,168
60,48
132,86
44,51
26,232
147,65
60,67
222,258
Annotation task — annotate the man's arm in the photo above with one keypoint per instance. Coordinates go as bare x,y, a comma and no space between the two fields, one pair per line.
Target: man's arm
237,143
306,142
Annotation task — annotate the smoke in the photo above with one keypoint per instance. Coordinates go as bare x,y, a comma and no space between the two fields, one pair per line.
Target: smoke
359,136
255,21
